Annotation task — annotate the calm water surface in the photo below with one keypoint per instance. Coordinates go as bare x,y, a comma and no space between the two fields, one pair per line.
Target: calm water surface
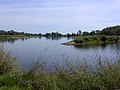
53,53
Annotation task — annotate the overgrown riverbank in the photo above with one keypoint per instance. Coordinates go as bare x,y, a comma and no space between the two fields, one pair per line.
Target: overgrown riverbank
81,77
12,38
93,40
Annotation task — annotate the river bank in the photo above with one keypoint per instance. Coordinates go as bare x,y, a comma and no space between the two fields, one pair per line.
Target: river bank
93,40
80,77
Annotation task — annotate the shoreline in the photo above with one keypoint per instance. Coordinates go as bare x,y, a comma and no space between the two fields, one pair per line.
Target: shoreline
84,44
72,43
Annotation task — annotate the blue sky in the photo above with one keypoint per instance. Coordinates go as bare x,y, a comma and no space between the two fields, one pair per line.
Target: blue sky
64,16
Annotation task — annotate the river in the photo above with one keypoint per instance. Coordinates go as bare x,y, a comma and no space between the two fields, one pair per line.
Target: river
51,52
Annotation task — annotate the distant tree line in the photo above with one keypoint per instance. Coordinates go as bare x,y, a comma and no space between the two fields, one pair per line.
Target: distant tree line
53,34
114,30
12,32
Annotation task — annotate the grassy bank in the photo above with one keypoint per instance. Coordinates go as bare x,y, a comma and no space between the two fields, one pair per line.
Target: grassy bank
81,77
93,40
12,38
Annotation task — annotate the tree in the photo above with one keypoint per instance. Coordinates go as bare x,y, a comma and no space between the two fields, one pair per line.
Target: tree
85,33
115,30
92,33
68,35
79,32
39,34
98,32
47,34
73,34
2,32
103,38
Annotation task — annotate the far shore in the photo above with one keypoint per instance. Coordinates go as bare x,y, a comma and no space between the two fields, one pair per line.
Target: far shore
93,40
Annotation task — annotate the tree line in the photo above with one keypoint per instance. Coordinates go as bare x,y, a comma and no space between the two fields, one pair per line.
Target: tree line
12,32
114,30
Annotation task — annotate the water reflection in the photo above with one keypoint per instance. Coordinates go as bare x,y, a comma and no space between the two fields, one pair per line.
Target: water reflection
13,39
90,46
9,40
72,37
28,49
58,38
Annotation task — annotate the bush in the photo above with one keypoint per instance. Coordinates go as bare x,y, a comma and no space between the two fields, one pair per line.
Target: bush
7,63
78,41
103,38
86,39
94,38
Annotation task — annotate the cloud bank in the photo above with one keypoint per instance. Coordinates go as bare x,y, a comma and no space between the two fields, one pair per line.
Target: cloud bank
58,15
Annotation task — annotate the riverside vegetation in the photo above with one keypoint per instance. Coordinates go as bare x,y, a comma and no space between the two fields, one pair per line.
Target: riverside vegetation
114,30
105,76
93,40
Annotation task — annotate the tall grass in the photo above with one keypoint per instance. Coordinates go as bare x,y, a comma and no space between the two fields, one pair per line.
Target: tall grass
8,70
105,76
8,63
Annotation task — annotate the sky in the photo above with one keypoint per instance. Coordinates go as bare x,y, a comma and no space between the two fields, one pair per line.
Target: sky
64,16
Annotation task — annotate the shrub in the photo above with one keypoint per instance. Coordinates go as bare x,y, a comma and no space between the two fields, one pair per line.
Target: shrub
103,38
86,39
7,63
78,41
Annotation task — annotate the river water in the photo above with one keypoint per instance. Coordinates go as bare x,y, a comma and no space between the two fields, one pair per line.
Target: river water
50,51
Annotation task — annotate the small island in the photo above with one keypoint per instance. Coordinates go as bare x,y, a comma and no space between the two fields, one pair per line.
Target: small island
106,36
93,40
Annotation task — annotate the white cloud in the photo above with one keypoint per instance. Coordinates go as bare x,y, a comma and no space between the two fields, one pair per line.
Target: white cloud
85,14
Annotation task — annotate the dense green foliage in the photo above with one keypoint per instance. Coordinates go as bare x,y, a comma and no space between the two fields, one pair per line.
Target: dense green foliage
54,34
95,40
96,37
115,30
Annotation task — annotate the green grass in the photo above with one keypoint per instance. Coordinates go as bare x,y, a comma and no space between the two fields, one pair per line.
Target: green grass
95,40
106,76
